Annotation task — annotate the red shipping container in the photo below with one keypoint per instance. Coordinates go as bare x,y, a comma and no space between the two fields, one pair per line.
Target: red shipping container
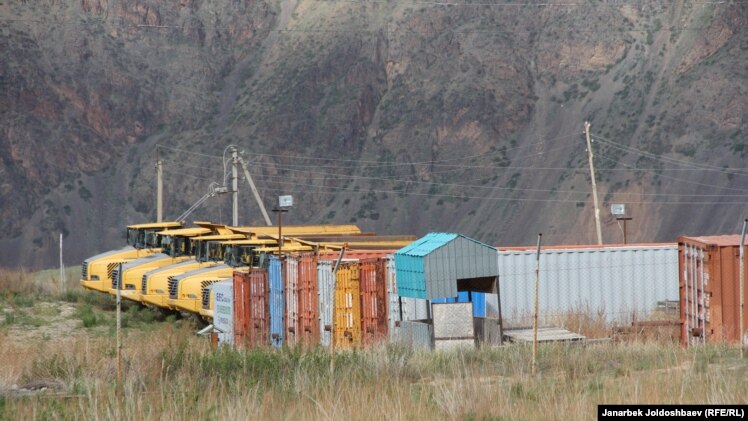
355,254
308,300
259,308
709,278
241,308
373,300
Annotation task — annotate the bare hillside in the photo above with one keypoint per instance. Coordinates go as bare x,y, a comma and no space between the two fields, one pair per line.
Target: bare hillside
399,116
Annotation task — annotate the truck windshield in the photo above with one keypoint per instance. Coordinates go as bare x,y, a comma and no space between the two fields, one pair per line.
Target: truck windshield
216,251
134,237
236,256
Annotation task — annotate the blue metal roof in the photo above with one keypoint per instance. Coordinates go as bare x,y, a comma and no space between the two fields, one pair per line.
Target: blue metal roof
427,244
430,266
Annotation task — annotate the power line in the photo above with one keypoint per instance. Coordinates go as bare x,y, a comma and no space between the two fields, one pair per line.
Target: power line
463,197
675,161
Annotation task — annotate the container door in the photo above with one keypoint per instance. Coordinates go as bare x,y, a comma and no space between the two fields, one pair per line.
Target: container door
393,301
373,300
347,306
259,318
277,307
325,299
241,308
291,278
694,305
308,300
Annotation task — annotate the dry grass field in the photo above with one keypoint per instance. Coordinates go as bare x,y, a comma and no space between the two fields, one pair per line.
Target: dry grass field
59,362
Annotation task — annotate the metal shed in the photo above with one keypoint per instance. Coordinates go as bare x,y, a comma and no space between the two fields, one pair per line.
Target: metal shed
441,264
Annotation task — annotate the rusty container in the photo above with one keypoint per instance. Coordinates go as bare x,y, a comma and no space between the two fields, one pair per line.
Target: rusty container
373,300
259,308
291,279
709,280
241,308
308,300
347,329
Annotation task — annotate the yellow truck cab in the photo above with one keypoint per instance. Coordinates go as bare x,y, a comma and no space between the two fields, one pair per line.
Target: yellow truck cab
186,292
208,252
176,247
96,271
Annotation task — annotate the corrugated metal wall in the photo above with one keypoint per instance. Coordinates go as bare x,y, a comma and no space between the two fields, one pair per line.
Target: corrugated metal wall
277,305
347,329
401,308
308,299
616,282
710,289
373,280
259,307
324,291
291,278
241,308
461,258
431,266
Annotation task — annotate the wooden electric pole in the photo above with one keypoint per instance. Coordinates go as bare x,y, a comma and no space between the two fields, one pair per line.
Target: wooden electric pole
235,186
159,189
594,184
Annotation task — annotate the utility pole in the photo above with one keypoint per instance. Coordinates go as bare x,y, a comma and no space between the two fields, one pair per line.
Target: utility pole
159,189
624,219
255,192
741,335
594,184
235,186
535,312
62,269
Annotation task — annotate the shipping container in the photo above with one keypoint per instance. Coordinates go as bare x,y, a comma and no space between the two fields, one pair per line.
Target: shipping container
373,279
259,308
291,277
277,305
309,332
325,299
619,282
347,329
241,308
710,289
223,305
354,254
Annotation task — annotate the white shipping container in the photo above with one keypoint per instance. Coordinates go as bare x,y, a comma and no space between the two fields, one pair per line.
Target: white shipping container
617,282
223,311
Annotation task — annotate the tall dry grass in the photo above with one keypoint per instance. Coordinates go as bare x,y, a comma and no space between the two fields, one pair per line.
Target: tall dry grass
172,374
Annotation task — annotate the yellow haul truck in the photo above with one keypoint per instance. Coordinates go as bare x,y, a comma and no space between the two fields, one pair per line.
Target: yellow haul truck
176,247
154,287
186,292
96,271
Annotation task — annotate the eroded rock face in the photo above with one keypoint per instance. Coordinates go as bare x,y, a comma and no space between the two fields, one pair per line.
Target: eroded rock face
456,96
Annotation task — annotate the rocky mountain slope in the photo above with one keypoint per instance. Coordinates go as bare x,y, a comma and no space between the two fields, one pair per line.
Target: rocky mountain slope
402,117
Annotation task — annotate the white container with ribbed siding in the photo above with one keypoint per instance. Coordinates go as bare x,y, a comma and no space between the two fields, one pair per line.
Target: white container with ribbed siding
223,311
617,282
430,266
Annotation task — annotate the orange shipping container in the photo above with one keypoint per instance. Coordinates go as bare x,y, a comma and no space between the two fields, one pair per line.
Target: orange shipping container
347,332
308,299
373,300
709,280
259,308
241,308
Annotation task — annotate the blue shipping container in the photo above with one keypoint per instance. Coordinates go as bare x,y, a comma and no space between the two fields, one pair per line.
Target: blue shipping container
277,308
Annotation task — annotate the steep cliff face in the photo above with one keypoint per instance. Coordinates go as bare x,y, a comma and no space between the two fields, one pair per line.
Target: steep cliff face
400,117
